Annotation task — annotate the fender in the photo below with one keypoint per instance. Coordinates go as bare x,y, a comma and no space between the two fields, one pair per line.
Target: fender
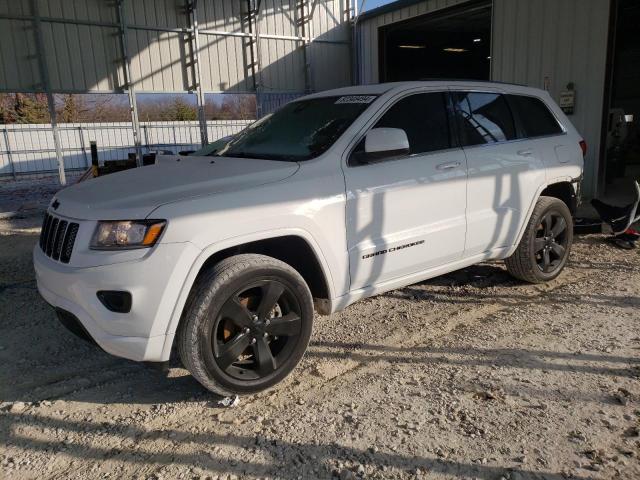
207,252
523,227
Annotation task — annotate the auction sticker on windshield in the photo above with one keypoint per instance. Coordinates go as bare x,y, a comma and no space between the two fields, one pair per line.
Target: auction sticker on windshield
356,99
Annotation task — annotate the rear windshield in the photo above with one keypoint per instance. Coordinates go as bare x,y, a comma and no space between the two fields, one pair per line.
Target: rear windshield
298,131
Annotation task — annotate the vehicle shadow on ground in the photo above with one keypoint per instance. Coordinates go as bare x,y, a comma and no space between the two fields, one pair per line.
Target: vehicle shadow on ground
280,456
482,277
510,358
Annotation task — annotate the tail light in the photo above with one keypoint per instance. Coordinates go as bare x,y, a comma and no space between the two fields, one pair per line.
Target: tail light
583,147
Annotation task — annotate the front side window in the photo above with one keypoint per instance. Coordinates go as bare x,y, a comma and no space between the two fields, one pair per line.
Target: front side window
423,117
300,130
483,118
535,118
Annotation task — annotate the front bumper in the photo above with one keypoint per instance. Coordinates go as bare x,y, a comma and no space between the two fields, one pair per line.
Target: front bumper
154,281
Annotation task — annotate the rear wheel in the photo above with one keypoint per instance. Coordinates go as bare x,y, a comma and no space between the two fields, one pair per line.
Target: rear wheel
544,249
247,325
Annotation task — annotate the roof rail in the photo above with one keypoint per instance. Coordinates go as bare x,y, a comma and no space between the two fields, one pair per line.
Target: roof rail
436,79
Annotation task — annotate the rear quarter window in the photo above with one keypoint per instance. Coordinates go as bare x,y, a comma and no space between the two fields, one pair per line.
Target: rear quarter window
534,116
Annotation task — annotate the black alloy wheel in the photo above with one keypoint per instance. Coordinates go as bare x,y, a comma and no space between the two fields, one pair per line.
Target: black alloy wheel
246,324
545,245
550,244
256,330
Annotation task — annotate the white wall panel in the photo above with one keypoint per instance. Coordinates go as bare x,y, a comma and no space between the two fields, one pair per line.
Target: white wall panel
563,41
83,50
19,66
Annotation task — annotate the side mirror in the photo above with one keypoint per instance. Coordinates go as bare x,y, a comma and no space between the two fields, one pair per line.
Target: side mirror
381,143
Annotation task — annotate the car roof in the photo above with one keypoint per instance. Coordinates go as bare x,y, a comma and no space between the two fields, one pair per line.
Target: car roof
381,88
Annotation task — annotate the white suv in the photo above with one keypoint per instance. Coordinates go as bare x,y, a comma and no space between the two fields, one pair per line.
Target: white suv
335,197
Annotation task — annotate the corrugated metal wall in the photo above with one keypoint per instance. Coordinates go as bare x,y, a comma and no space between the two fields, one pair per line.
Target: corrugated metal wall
82,45
561,40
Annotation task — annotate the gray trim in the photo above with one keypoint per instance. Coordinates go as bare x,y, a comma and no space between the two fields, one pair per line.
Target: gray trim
8,152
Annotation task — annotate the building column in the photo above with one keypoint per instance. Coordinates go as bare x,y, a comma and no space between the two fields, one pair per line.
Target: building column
126,67
195,57
46,84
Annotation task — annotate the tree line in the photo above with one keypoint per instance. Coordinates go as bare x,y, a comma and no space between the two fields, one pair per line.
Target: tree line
33,108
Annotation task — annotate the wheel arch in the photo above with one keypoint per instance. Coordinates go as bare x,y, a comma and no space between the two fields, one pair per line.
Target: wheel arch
562,190
296,248
556,188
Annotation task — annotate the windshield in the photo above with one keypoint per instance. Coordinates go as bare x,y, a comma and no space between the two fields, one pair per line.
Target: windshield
298,131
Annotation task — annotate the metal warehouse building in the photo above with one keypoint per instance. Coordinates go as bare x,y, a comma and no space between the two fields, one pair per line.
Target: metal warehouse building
586,53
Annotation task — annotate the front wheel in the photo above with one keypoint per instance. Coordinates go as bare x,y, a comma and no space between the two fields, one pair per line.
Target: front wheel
246,325
544,248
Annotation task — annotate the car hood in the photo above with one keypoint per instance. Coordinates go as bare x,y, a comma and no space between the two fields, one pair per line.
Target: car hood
135,193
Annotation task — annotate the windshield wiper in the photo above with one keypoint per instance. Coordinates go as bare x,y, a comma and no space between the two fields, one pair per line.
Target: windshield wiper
241,154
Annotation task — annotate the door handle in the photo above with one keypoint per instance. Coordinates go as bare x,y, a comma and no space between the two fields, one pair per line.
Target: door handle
448,165
525,153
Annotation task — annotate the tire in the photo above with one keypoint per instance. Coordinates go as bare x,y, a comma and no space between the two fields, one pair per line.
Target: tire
545,229
229,316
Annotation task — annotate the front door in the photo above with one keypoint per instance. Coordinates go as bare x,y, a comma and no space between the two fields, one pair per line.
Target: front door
407,214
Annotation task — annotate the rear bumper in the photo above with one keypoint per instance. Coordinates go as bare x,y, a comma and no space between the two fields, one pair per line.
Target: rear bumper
154,282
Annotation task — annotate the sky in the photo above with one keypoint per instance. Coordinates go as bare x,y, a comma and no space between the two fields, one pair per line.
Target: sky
371,4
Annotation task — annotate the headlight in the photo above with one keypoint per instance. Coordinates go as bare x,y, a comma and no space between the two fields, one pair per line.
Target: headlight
127,234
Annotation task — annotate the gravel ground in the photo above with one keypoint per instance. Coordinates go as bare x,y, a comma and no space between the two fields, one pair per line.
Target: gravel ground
469,375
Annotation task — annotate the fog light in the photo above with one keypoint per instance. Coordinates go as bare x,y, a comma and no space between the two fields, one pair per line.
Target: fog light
119,302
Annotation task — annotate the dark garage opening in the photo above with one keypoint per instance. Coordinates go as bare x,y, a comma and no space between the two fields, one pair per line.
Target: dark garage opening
455,43
622,135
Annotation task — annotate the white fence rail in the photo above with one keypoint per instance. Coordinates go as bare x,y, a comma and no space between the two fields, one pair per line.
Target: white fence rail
27,149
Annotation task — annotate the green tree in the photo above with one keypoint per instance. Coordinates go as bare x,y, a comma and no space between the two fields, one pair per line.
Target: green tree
182,111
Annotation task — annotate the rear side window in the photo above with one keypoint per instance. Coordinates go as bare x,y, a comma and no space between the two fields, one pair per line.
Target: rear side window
423,117
535,118
483,118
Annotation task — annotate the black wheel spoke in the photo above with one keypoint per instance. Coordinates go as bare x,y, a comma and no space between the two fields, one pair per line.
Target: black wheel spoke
546,224
264,358
288,325
558,249
538,244
236,312
546,261
261,323
559,227
271,293
230,351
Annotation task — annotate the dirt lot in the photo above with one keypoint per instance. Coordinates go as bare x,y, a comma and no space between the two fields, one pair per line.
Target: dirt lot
470,375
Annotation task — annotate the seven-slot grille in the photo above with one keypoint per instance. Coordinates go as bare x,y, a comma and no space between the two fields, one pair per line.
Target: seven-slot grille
57,238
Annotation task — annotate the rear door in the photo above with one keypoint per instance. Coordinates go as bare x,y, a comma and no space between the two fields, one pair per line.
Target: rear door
406,214
504,170
539,125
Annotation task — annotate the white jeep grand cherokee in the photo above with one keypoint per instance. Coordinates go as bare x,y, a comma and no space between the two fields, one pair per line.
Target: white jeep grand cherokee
335,197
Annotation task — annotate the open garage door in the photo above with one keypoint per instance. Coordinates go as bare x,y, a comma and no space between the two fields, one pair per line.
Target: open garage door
452,43
622,125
